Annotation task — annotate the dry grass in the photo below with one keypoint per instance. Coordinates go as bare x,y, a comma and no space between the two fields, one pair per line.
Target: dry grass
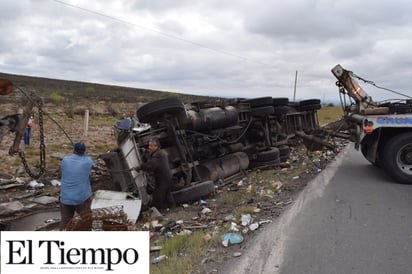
329,114
182,251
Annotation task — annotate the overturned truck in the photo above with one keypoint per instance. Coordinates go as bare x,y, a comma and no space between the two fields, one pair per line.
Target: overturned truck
208,143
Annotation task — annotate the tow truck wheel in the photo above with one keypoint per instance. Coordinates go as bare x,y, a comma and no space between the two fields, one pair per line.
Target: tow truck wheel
397,158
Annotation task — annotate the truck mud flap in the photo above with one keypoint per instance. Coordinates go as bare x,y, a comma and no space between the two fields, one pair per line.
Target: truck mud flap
194,192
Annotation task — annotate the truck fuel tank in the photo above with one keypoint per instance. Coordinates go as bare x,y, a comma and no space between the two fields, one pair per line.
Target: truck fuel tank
212,118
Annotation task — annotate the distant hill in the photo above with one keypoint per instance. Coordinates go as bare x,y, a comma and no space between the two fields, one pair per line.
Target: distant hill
79,91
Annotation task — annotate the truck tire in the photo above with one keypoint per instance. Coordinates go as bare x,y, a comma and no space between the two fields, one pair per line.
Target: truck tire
259,102
262,111
396,158
280,102
268,155
256,164
193,193
281,110
153,110
309,102
310,107
284,152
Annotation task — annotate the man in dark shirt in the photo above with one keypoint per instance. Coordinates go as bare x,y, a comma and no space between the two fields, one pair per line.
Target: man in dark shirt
158,166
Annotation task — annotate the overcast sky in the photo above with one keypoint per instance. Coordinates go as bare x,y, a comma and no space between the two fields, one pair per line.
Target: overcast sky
242,48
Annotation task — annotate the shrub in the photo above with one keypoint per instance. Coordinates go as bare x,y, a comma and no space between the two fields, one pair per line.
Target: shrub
89,91
111,110
56,98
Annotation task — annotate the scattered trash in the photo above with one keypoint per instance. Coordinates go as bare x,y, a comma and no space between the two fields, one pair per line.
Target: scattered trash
171,225
157,227
233,227
237,254
249,188
35,184
202,202
169,234
7,208
204,260
44,200
206,210
232,238
207,237
12,185
155,248
20,180
6,178
265,222
246,219
277,185
184,232
155,214
254,226
146,226
228,218
107,198
55,183
158,259
154,223
49,225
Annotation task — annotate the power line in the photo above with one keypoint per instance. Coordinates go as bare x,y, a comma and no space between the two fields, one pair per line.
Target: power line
159,32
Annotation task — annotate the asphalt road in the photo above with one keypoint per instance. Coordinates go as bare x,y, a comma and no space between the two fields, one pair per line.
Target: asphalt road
351,219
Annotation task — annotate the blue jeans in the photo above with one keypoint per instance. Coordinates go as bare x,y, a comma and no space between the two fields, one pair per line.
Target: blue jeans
27,136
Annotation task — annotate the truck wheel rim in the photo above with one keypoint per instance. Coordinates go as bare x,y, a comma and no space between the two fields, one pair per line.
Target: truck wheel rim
404,159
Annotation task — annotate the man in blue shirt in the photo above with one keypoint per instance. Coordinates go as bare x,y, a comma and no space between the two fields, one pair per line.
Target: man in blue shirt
76,190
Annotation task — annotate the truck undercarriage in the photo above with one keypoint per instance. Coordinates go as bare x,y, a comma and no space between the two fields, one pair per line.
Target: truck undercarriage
209,143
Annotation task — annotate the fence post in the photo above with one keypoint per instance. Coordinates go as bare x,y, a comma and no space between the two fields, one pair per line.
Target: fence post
86,122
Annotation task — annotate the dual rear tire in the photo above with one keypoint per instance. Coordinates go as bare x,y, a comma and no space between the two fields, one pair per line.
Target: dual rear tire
396,157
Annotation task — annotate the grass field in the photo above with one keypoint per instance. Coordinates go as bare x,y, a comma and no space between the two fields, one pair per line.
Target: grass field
329,114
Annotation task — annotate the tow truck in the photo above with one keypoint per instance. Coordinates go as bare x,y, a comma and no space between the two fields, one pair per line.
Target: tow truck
381,130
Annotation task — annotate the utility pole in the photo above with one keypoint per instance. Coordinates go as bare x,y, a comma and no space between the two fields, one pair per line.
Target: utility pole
294,91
